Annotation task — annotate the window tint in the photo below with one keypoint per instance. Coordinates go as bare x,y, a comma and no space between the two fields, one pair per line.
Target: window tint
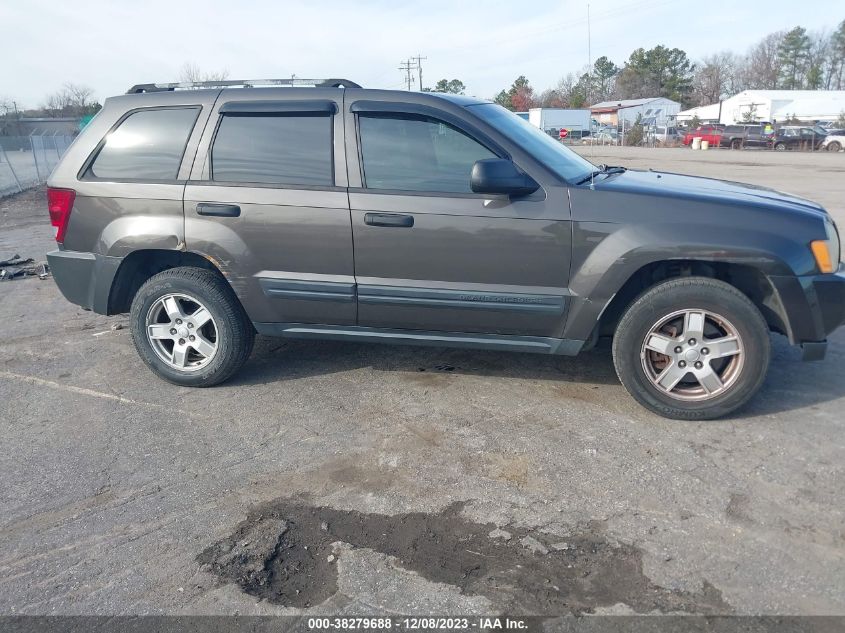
289,149
415,153
148,145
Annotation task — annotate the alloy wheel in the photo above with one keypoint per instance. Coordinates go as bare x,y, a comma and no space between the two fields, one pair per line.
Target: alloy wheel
692,355
182,332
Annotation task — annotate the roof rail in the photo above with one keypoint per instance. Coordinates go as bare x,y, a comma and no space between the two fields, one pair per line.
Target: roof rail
242,83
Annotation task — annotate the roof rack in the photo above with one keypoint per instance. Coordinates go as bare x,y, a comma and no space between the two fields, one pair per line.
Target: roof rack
242,83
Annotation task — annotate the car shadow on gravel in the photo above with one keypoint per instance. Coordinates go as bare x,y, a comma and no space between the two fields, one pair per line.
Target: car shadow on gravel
288,552
791,383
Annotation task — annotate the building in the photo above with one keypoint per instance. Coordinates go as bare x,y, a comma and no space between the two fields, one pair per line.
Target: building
771,106
653,110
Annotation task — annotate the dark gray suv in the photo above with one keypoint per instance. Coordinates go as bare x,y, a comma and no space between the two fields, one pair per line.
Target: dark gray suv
334,212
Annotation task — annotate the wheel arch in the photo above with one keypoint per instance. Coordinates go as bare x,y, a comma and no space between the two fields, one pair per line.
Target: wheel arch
137,267
751,281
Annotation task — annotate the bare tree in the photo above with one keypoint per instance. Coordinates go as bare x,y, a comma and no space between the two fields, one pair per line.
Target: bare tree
191,73
78,95
762,69
717,77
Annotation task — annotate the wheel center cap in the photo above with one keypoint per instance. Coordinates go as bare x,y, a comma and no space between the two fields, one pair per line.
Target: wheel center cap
183,331
691,355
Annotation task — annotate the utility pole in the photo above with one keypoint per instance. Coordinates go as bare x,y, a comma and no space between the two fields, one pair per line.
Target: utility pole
419,67
407,66
589,60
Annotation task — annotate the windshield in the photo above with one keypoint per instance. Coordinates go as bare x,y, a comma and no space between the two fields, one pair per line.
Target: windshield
553,154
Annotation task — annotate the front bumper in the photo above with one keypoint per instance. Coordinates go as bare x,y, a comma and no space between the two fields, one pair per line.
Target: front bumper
813,306
84,278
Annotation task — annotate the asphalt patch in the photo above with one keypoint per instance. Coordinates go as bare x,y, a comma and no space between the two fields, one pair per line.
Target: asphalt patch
283,553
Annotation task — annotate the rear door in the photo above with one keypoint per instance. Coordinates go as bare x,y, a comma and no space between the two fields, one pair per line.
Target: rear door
432,255
267,204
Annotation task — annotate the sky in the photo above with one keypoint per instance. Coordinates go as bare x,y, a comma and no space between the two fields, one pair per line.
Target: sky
109,46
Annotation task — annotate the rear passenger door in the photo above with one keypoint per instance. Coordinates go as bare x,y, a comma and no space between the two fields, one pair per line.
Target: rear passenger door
267,204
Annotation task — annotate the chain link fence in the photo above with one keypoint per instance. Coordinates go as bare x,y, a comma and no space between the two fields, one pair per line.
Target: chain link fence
27,161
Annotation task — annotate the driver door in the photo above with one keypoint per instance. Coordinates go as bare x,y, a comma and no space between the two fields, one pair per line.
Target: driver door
432,255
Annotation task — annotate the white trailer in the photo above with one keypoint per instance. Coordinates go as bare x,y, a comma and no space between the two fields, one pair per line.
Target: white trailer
552,120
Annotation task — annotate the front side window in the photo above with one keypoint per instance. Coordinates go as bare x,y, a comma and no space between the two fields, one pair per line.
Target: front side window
417,153
284,148
147,145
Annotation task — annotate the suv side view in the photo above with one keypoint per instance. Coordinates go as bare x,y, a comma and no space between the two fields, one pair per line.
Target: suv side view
739,136
335,212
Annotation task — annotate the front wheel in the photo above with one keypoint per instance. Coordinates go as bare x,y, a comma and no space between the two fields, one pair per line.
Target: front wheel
834,146
780,147
189,327
692,349
736,144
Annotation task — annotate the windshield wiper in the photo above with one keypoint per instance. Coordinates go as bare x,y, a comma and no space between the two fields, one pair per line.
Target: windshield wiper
603,169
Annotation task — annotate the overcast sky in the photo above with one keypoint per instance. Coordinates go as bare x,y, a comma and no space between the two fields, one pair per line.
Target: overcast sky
112,45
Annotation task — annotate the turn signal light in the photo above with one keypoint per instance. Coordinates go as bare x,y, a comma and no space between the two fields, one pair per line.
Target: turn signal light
59,204
821,251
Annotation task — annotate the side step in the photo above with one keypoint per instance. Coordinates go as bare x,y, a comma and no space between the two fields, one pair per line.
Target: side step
535,344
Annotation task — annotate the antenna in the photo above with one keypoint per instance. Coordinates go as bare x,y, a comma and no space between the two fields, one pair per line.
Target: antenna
589,59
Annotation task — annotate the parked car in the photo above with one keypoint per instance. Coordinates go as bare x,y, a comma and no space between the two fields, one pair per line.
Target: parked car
797,138
663,134
833,143
739,136
335,212
710,133
605,136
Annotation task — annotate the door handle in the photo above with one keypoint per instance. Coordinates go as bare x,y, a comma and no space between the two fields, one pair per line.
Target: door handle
218,210
389,219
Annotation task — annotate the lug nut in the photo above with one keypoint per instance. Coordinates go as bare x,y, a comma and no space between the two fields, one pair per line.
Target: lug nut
679,349
173,330
691,341
178,321
190,325
193,338
699,365
181,341
705,351
682,364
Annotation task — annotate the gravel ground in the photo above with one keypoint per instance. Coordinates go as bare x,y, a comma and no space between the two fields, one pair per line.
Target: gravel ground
126,495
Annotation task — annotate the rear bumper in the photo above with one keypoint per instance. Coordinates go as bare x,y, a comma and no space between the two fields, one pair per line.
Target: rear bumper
814,306
84,278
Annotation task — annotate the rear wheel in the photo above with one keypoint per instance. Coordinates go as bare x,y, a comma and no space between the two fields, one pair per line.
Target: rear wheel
189,328
780,147
834,146
736,144
692,349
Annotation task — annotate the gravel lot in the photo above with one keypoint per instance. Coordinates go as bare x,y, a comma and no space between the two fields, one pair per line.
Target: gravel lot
123,494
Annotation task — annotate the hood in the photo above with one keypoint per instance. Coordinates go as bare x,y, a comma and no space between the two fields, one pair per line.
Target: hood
705,190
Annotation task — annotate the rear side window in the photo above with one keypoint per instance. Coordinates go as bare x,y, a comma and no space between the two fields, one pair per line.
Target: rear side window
147,145
416,153
286,149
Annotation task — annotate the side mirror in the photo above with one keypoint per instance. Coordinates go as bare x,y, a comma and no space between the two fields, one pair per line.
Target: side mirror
499,175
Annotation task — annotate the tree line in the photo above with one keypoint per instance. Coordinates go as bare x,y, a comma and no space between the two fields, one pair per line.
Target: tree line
790,60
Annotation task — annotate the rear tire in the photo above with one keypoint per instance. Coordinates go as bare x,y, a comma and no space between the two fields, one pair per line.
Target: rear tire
780,147
190,328
716,342
736,144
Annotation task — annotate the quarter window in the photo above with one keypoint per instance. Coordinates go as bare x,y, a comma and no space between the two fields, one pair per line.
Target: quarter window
287,149
417,153
147,145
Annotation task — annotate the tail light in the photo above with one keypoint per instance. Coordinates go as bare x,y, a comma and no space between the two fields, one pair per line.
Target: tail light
60,203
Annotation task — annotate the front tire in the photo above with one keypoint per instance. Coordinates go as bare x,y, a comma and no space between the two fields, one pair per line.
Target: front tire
780,147
189,327
834,146
693,348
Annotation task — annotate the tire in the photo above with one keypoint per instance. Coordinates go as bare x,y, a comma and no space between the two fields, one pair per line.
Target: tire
834,146
220,337
728,312
780,147
736,144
